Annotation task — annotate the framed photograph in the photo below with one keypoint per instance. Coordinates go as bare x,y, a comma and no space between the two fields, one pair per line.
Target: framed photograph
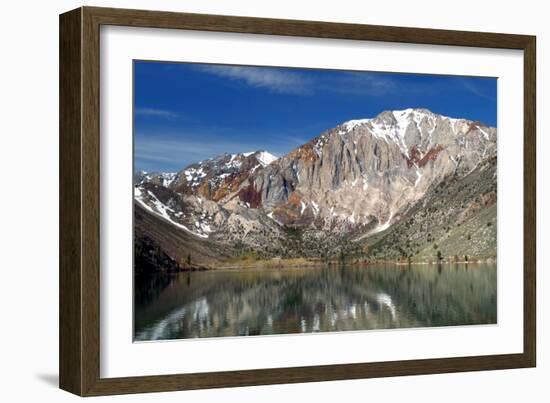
249,201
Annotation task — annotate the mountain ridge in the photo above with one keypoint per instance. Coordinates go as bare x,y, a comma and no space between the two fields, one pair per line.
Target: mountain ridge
350,182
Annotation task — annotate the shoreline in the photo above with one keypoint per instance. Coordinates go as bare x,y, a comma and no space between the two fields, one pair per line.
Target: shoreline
282,264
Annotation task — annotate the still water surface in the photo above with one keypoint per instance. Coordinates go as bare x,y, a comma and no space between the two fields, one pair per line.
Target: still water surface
304,300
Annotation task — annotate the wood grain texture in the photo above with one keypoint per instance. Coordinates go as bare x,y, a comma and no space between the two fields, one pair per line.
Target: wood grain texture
530,202
305,374
70,273
315,29
90,202
80,196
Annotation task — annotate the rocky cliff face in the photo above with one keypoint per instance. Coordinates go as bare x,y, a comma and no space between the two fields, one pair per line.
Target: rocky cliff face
351,182
456,219
367,172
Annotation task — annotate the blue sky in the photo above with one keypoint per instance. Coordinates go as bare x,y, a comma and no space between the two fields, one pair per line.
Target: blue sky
184,112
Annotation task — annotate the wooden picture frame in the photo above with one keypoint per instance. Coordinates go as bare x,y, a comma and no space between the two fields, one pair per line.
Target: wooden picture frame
79,346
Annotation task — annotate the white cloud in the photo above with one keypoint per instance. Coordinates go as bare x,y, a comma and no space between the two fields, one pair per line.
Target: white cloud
292,82
154,112
276,80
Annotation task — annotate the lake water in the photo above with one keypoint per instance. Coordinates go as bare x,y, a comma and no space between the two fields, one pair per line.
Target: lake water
303,300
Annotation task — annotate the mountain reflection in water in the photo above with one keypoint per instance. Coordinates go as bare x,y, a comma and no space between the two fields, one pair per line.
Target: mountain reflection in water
303,300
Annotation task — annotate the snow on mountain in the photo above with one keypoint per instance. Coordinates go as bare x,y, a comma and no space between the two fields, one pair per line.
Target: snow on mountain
348,126
167,178
364,174
367,171
162,178
213,178
265,158
392,126
194,175
148,200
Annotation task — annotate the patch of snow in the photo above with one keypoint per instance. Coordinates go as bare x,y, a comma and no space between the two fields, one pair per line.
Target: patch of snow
418,177
453,122
384,226
161,210
303,207
417,117
205,227
485,134
270,215
402,125
315,207
394,133
233,163
318,147
194,175
265,158
431,131
381,130
167,178
352,124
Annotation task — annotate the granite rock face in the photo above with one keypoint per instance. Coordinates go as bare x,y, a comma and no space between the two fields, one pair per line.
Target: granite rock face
366,172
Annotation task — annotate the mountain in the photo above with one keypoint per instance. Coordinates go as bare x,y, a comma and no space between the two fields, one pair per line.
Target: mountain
217,177
367,171
457,217
158,178
344,191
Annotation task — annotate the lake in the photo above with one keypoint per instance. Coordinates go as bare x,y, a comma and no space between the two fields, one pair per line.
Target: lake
304,300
